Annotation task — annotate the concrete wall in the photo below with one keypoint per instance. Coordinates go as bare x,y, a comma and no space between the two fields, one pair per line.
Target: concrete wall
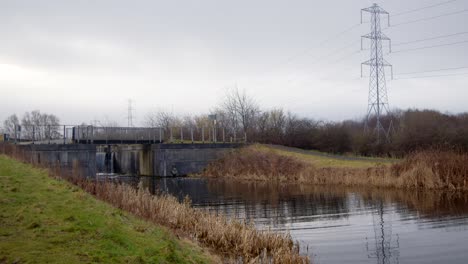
130,159
149,160
186,158
159,159
65,156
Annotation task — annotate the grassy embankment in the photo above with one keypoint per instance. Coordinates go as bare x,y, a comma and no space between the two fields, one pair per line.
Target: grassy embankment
230,239
429,170
45,220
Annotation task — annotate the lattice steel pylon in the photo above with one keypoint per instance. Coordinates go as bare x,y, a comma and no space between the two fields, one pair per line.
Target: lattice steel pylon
130,113
378,100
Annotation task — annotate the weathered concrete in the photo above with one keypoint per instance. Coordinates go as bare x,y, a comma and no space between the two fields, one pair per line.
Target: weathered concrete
69,157
159,159
132,159
147,160
186,158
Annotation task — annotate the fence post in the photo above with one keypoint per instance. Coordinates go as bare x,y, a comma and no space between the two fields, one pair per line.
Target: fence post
214,134
33,135
191,133
16,134
182,134
64,136
245,137
203,134
48,128
171,140
224,136
106,131
160,135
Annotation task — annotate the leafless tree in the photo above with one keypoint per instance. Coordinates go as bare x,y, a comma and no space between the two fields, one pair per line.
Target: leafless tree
162,118
239,109
40,125
10,123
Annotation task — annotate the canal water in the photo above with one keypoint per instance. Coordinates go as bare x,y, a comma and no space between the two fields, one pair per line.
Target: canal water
340,225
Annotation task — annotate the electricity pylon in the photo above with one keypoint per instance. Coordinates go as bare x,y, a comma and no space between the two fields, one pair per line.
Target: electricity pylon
130,113
378,100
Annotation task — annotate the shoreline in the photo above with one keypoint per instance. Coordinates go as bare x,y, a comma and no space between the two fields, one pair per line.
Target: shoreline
47,220
430,170
227,239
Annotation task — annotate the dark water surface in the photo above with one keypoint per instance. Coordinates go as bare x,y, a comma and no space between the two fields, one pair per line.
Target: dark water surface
341,225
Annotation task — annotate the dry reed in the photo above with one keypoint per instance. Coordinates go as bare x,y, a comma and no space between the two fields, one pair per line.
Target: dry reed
238,242
428,169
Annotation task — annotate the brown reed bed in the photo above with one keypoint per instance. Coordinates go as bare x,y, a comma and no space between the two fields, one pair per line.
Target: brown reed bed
432,169
233,240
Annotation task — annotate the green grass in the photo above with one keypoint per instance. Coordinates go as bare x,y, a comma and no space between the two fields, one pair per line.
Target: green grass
44,220
323,160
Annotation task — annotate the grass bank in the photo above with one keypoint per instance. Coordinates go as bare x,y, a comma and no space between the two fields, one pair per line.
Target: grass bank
428,170
233,240
45,220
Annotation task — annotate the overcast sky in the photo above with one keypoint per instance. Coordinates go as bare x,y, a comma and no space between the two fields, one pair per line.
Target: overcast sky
82,60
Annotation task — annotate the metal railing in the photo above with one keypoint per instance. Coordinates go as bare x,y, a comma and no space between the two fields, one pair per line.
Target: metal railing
73,134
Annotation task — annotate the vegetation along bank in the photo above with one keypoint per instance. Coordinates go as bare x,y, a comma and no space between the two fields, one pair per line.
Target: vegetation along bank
431,169
48,220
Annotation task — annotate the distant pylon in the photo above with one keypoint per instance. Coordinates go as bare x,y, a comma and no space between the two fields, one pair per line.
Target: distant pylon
130,114
377,100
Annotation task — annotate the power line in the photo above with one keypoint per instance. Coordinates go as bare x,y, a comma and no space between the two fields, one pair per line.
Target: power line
318,59
304,52
422,8
432,38
429,18
346,56
377,97
430,47
444,69
431,76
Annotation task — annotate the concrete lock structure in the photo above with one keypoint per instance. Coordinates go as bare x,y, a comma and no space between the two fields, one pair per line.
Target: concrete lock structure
124,150
163,160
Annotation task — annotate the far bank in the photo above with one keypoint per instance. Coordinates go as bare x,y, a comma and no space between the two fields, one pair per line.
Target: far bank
432,169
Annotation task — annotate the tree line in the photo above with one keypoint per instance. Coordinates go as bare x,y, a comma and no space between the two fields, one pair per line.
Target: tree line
409,130
33,124
239,115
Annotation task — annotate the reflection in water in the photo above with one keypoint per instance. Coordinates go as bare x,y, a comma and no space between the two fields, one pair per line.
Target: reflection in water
384,251
352,225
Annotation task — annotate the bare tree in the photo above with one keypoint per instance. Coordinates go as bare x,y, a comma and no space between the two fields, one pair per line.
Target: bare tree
240,110
10,123
40,126
162,118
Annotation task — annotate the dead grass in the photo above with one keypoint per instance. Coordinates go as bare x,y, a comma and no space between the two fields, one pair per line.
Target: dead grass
238,242
428,170
324,160
434,169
